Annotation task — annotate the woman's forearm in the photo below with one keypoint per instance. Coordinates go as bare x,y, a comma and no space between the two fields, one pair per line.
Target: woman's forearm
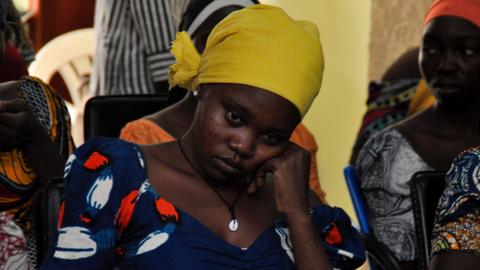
307,249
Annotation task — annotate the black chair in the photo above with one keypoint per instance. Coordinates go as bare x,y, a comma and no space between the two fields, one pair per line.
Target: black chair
47,215
379,256
426,188
106,115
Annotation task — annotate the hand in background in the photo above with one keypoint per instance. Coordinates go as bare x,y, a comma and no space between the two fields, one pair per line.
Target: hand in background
18,124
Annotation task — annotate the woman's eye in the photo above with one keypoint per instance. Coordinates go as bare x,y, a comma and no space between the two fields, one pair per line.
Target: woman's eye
468,52
271,139
430,50
234,118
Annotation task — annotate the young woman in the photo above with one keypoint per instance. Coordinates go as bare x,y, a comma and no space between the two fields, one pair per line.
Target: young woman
232,193
166,125
449,61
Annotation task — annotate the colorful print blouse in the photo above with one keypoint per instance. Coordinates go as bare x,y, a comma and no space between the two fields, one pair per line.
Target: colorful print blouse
457,224
111,218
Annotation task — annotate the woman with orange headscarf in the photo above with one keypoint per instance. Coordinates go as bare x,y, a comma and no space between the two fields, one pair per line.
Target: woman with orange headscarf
450,63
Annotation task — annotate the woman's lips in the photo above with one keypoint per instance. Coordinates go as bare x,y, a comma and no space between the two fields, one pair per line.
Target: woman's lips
228,166
445,87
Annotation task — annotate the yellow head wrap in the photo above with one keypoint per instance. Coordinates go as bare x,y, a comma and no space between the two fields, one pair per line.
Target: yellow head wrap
260,46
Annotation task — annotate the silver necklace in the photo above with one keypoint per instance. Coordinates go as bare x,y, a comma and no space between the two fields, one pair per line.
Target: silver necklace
233,224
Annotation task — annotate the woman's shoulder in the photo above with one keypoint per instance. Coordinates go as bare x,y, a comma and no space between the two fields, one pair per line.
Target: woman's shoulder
102,154
110,146
382,141
384,150
304,138
104,170
145,131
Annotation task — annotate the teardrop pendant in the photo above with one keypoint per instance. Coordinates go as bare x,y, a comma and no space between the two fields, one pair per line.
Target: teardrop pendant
233,225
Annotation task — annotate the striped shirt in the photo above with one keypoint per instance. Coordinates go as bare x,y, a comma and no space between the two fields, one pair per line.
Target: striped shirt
132,46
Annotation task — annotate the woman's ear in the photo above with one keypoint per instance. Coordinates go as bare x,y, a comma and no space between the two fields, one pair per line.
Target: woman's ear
199,93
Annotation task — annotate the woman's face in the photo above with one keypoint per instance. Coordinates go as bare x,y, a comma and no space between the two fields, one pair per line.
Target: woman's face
450,60
237,128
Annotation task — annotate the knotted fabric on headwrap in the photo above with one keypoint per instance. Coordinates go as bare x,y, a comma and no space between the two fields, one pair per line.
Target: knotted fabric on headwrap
466,9
260,46
184,72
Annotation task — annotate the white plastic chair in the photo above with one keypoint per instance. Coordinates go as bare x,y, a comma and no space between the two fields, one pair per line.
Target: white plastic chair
70,55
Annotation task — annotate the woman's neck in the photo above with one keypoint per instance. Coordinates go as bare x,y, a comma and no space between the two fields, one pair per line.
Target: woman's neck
177,118
464,119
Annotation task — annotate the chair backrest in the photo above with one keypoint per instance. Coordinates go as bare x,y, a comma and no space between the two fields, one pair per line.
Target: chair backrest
378,255
426,189
49,209
70,55
107,115
356,195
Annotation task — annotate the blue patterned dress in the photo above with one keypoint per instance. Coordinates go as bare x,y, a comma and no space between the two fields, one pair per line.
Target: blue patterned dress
111,218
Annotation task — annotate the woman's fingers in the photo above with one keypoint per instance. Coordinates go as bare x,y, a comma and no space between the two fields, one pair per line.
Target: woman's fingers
259,178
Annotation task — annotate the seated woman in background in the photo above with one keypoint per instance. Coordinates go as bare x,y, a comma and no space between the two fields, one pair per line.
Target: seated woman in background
205,201
166,125
400,93
35,141
456,233
16,48
450,64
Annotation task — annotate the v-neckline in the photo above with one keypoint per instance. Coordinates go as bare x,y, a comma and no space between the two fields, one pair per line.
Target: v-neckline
213,234
205,228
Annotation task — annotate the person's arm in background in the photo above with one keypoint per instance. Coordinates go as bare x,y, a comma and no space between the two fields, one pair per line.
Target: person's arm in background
456,244
154,22
458,260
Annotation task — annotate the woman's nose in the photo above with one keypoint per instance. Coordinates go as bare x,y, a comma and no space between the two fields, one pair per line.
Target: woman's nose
243,144
447,62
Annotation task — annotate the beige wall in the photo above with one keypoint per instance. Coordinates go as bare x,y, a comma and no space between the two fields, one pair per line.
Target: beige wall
396,26
335,116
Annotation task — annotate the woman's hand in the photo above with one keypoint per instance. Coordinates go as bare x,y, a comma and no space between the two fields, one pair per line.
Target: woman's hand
290,171
19,128
18,124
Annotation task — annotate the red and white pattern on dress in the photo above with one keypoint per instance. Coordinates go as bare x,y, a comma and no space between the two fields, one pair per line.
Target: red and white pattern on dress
13,245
